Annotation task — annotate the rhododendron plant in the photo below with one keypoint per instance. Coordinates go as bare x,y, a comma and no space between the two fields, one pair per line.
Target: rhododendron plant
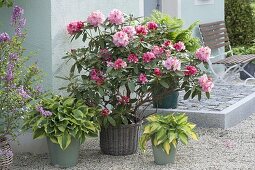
126,58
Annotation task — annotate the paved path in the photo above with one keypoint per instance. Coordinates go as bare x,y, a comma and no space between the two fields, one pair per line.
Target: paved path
233,148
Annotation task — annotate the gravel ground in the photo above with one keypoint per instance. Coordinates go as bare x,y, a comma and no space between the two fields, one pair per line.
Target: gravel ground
216,149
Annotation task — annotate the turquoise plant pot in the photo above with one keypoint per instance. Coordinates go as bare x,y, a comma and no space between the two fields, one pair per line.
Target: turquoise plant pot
161,157
64,158
169,101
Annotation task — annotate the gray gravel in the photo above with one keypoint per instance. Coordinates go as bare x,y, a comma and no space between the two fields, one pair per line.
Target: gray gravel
216,149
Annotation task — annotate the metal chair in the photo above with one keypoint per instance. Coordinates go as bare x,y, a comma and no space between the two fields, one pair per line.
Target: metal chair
214,35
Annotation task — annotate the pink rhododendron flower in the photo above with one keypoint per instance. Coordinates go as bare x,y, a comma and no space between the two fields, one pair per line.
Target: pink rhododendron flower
96,18
123,100
109,64
120,39
190,71
116,17
97,76
157,72
152,25
132,58
179,46
157,50
105,112
129,30
172,64
203,54
168,53
142,78
75,27
167,43
148,57
119,63
142,30
206,83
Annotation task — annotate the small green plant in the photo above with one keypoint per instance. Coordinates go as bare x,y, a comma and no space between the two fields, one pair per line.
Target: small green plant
166,130
244,50
61,119
7,3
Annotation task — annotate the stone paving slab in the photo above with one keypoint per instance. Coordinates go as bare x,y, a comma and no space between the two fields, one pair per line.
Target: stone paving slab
228,105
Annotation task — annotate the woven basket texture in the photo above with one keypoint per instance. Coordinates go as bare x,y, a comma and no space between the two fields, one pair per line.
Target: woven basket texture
6,156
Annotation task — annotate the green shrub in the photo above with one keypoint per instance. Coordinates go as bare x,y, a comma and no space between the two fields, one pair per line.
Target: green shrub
240,21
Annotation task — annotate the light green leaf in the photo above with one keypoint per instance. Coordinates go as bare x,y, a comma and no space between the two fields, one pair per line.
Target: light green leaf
64,140
39,133
166,147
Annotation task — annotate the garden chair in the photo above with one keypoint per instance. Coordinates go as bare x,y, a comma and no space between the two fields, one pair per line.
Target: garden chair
214,35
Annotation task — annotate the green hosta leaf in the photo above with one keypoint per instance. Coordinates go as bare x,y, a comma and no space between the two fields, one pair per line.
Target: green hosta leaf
161,134
69,102
111,120
78,114
39,133
61,128
131,86
184,138
152,118
194,136
171,136
166,147
54,139
164,84
64,140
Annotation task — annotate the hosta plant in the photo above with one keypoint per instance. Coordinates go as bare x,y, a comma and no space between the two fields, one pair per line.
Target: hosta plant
125,58
61,119
166,130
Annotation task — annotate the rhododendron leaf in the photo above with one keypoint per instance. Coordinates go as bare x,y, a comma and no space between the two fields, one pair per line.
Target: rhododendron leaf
84,37
164,84
111,120
124,120
199,95
131,86
186,96
136,69
207,95
78,35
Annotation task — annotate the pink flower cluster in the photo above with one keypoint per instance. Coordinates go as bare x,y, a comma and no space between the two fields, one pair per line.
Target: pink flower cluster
119,63
172,64
142,78
157,72
152,25
116,17
132,58
167,43
129,30
206,83
123,100
120,39
190,70
203,54
148,57
96,18
141,30
179,46
97,76
75,27
105,112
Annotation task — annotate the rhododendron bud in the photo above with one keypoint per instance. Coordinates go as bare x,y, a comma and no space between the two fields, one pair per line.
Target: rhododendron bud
179,46
172,64
157,50
157,72
96,18
119,63
129,30
148,57
203,54
206,83
142,30
120,39
190,71
167,43
152,25
124,100
132,58
105,112
75,27
142,78
116,17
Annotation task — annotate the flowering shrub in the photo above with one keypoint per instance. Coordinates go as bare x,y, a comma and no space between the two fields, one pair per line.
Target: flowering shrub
126,58
18,81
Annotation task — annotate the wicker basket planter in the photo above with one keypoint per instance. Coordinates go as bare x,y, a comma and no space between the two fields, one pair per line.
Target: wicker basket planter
6,155
121,140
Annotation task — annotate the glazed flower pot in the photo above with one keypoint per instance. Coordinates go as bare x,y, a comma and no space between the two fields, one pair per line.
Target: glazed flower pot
64,158
250,68
6,154
119,140
161,157
169,101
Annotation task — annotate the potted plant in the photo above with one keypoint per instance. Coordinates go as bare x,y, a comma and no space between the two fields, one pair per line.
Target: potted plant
165,132
66,122
19,86
118,69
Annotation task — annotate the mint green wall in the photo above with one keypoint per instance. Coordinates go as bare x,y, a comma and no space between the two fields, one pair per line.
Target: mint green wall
38,14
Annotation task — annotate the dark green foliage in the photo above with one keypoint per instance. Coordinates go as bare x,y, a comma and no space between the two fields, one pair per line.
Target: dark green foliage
240,21
7,3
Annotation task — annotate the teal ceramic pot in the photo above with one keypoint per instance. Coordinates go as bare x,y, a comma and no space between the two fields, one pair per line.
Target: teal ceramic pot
64,158
169,101
161,157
